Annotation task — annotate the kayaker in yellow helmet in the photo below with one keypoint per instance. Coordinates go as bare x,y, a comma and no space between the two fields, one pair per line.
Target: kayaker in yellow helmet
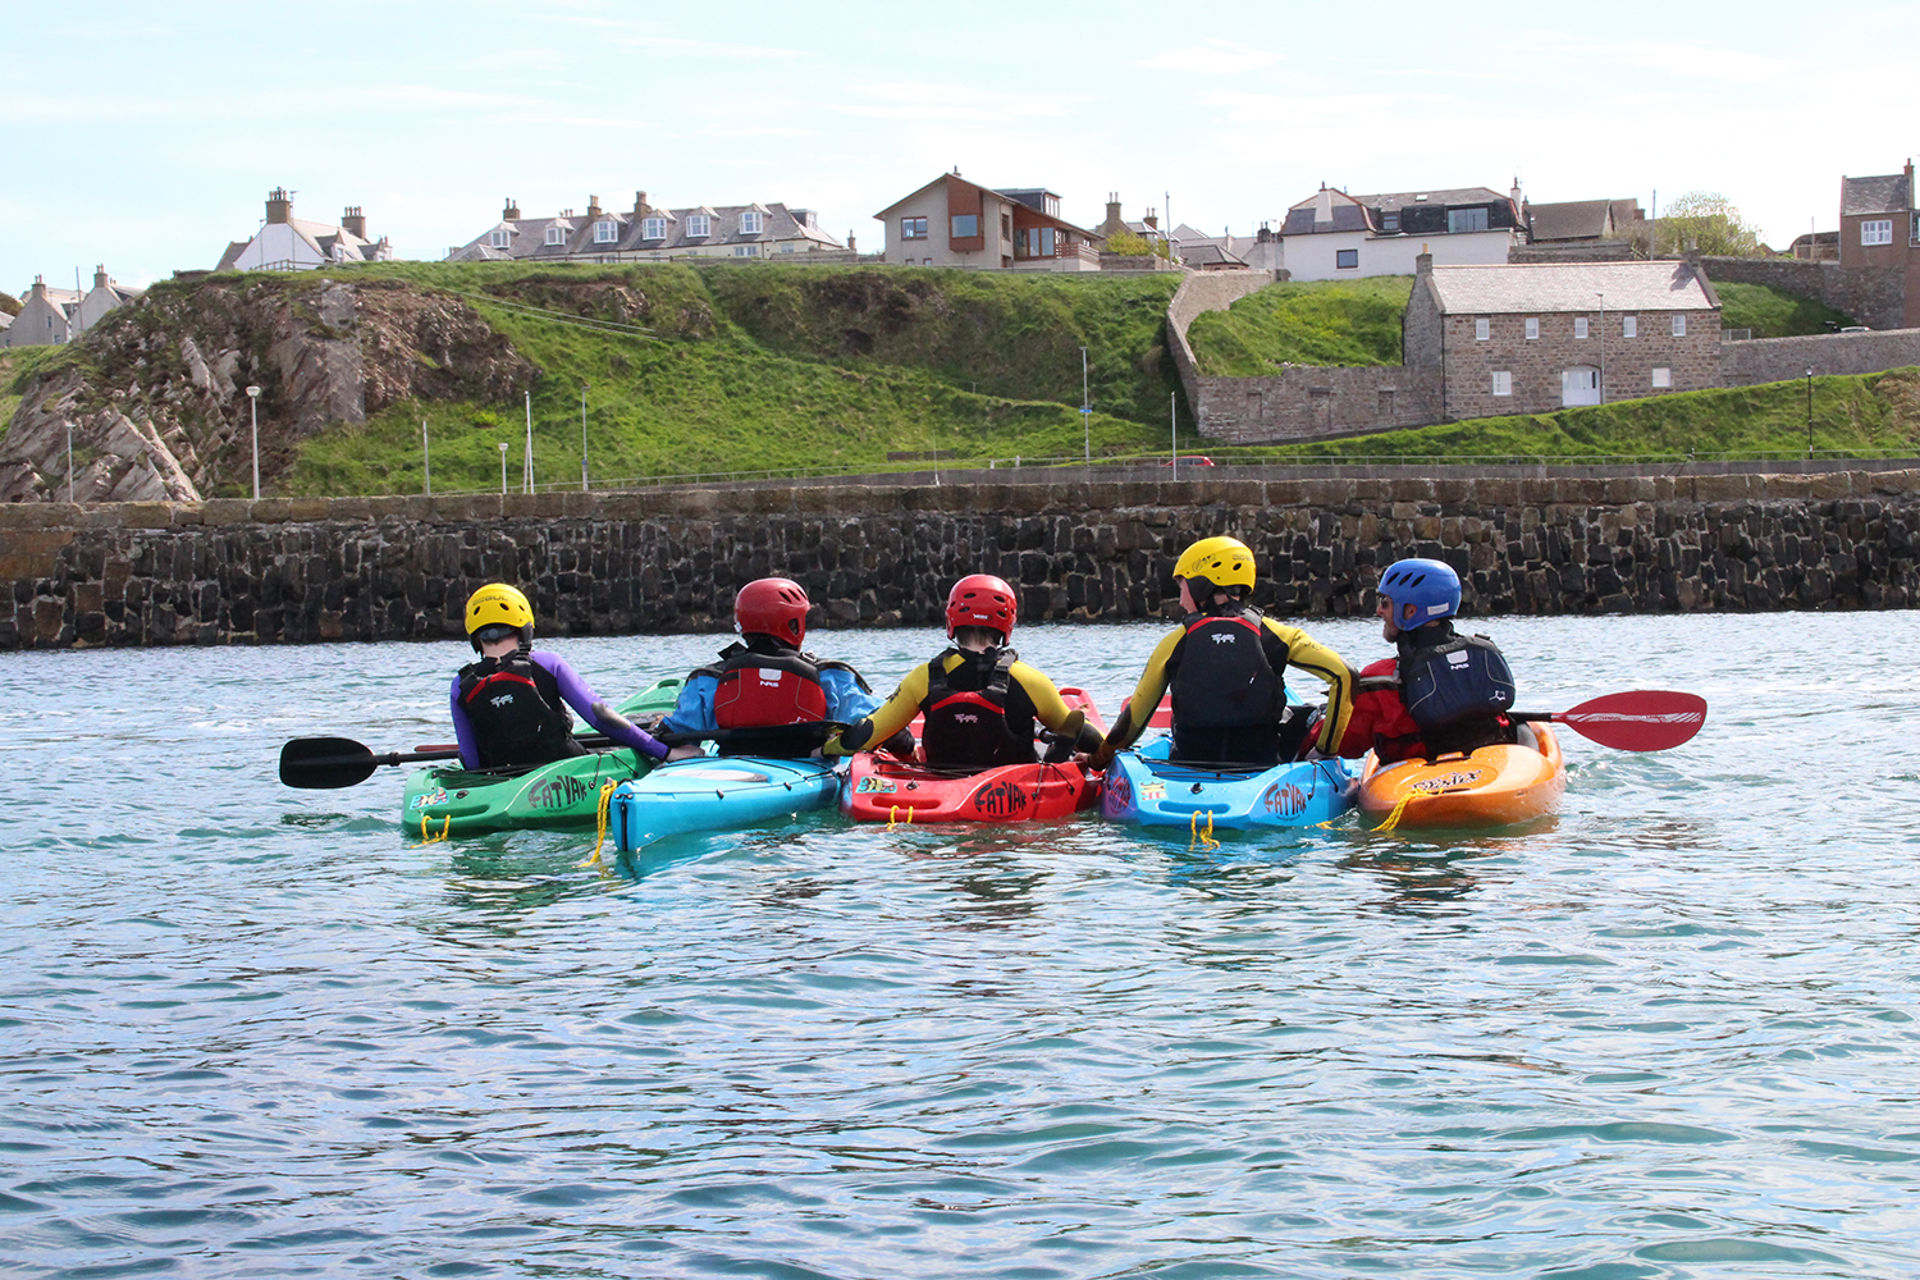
981,704
510,704
1441,691
1225,664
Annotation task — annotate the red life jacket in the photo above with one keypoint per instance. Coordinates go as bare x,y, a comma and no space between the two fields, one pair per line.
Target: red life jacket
762,689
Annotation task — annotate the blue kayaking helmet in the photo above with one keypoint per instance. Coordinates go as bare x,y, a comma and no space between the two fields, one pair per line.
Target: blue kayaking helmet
1430,586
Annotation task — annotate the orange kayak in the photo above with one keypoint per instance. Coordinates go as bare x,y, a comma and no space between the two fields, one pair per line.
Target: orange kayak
1488,787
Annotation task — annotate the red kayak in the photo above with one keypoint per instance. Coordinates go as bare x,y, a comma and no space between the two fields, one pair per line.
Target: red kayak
883,788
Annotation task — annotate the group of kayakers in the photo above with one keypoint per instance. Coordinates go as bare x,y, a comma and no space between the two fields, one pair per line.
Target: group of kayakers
981,706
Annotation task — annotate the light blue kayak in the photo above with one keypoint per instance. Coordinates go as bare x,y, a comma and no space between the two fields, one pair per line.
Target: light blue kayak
1145,787
716,793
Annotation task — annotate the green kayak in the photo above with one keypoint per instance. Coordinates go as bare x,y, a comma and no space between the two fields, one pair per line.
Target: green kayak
451,800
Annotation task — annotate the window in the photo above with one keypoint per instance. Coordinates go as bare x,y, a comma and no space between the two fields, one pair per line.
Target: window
1466,220
699,224
1006,226
745,251
556,235
1629,326
1533,328
1679,326
1482,329
1039,242
1877,231
913,228
653,229
1346,259
1662,377
750,222
499,237
1502,383
606,231
786,246
1389,222
1579,326
965,226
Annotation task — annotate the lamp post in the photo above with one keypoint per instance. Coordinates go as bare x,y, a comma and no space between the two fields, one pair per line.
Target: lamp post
529,461
253,408
583,435
1603,346
1086,409
426,459
503,468
69,459
1809,414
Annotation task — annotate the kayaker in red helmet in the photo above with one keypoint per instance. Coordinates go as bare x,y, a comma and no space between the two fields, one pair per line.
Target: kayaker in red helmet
510,705
1441,691
765,680
982,704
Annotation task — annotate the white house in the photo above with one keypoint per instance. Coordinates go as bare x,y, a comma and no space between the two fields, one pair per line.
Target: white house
646,233
287,243
1333,236
46,317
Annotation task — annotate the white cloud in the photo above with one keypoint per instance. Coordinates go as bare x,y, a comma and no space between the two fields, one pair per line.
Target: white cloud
1212,57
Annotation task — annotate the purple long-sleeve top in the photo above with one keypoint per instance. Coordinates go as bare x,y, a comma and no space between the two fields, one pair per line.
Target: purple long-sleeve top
579,695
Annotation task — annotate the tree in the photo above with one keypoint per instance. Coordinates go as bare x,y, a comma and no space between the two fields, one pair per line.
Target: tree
1705,222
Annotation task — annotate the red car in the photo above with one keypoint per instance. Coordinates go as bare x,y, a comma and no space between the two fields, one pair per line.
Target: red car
1194,461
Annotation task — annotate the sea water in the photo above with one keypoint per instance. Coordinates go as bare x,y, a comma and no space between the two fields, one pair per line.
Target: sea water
252,1031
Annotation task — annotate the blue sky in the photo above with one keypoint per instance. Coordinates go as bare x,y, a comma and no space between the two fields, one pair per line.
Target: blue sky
146,136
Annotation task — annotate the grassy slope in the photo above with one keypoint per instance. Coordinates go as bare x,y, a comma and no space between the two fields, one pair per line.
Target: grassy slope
742,374
1332,322
17,364
1774,313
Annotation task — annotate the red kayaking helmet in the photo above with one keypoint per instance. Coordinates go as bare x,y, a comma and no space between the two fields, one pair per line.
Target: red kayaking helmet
774,607
982,600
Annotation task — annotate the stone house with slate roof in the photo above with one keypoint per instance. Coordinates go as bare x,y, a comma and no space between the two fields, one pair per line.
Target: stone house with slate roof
646,233
1878,229
1333,236
1535,337
287,243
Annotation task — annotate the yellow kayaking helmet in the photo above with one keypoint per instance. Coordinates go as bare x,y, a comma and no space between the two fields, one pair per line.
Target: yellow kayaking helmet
1216,564
498,605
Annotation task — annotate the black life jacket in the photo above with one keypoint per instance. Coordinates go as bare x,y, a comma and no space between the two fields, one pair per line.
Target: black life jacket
1457,688
764,688
517,713
965,712
1229,697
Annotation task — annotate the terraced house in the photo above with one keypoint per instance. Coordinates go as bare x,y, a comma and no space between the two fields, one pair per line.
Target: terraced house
647,233
1534,337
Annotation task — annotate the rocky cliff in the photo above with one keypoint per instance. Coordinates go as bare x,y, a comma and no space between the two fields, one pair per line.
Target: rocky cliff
156,394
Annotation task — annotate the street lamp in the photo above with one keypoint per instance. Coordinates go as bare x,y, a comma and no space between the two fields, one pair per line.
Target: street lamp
1809,414
503,468
253,408
1086,409
69,459
583,435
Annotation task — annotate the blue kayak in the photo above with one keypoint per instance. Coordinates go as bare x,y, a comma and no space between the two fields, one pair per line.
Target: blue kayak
716,793
1145,787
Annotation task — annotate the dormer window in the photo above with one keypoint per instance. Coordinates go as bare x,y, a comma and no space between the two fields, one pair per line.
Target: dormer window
499,237
653,228
1459,220
606,231
1389,222
556,235
699,224
751,222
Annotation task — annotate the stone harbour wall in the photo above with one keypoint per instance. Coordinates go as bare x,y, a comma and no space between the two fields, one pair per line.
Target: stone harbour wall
293,571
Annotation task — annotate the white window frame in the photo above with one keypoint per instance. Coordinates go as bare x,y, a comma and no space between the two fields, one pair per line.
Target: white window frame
1876,231
1662,377
499,238
556,235
699,224
1482,329
606,231
1629,326
653,228
1533,328
1580,327
1679,325
751,223
746,251
1502,382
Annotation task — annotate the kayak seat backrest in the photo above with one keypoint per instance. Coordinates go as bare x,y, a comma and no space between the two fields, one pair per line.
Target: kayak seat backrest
1524,735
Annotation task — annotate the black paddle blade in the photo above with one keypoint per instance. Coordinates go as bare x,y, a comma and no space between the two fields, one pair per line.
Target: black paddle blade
323,764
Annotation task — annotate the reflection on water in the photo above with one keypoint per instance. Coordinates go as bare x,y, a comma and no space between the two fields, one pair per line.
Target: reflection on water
250,1031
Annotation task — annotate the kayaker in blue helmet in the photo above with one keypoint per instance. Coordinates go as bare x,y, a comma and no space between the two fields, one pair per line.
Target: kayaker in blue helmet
981,705
1442,691
510,705
1224,664
765,680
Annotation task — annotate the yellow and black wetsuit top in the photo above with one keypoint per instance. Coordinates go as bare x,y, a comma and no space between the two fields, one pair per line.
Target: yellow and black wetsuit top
992,685
1225,669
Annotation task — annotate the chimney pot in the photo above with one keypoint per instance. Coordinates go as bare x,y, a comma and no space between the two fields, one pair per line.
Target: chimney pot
512,212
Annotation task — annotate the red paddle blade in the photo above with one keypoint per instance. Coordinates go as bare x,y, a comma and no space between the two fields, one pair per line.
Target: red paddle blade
1640,720
1162,717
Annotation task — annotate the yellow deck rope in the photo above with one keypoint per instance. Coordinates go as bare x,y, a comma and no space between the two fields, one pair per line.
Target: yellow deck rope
1393,819
1202,839
893,814
600,824
426,838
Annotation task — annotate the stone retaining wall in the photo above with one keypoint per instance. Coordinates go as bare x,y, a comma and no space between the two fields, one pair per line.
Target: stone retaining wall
1744,364
288,571
1874,296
